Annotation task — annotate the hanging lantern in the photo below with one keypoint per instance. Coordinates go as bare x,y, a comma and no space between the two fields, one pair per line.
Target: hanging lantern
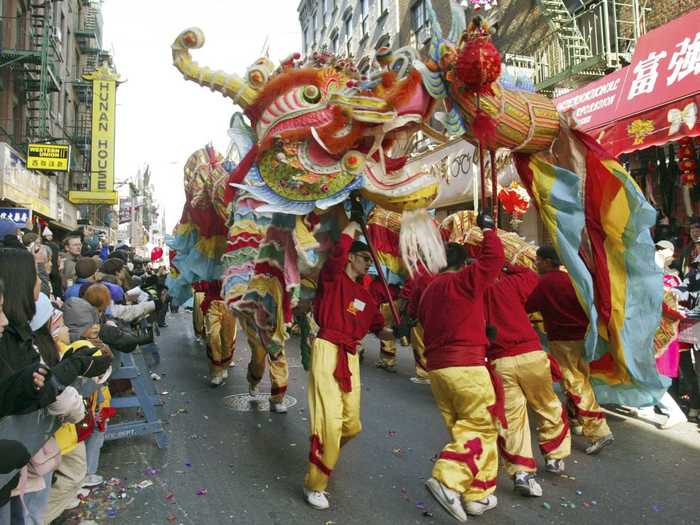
156,254
515,201
479,62
687,162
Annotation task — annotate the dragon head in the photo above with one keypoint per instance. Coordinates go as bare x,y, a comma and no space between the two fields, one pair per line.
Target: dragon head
322,129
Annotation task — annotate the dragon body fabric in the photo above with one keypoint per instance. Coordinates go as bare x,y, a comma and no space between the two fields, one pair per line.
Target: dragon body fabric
318,131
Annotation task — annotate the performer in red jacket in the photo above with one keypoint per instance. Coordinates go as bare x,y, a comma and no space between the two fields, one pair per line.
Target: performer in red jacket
345,313
411,293
526,371
566,324
387,347
451,311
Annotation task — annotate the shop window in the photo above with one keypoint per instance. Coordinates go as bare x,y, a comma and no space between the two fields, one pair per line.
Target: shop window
420,24
364,17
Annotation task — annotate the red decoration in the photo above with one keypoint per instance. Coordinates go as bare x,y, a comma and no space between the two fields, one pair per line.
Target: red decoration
515,201
484,129
156,253
687,161
479,62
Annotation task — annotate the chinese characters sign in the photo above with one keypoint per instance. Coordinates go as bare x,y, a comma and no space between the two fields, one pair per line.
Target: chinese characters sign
48,157
665,66
104,88
20,216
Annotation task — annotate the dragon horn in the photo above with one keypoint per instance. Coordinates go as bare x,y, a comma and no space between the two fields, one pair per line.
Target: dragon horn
231,86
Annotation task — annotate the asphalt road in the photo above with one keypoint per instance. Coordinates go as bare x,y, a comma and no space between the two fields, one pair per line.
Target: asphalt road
227,466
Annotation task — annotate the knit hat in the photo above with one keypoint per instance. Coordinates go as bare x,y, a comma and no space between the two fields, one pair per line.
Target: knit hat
29,238
85,267
44,310
112,266
7,227
79,315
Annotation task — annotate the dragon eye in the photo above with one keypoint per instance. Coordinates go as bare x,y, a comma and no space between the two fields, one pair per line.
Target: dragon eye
311,94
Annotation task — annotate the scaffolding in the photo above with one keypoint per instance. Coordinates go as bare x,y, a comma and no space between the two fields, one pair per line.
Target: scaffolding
586,40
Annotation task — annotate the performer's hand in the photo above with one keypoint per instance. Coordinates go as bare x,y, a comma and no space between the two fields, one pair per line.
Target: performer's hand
352,229
485,221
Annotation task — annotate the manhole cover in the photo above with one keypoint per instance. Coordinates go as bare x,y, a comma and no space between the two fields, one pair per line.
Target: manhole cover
248,403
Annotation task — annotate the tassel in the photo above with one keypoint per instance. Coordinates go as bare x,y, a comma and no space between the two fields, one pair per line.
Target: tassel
421,243
484,129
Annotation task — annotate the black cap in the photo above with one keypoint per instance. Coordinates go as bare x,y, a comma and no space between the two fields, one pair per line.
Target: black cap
358,246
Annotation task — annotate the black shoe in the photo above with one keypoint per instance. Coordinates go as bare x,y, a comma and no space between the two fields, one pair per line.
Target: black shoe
163,325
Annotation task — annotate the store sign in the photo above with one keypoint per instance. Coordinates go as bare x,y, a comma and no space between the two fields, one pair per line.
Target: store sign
24,187
594,105
20,216
665,66
124,210
104,90
48,157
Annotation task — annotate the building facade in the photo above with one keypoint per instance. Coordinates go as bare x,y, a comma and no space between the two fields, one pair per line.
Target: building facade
45,49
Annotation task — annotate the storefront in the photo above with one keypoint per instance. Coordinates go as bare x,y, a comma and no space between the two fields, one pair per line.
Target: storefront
21,187
647,115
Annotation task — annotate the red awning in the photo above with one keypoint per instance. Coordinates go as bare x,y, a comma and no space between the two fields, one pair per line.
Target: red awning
654,100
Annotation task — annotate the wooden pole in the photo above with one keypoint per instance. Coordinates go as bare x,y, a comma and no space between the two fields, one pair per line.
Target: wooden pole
494,188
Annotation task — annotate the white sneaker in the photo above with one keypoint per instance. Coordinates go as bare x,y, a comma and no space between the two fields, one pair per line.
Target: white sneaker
92,480
155,376
600,444
278,408
232,364
217,380
477,508
420,380
73,504
674,419
555,466
252,390
448,498
525,484
316,499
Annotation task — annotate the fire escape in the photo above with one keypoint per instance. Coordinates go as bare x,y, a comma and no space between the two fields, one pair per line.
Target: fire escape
33,59
586,40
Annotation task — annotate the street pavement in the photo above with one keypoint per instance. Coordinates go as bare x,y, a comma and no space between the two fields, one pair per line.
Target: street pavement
228,466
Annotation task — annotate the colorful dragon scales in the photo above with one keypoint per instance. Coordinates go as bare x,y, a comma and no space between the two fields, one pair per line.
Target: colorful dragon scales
319,131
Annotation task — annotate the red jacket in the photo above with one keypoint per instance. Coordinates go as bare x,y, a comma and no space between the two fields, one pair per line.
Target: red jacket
452,310
342,306
413,291
555,298
504,303
376,290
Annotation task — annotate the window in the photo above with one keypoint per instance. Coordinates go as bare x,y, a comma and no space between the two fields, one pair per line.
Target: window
334,43
306,39
347,25
420,24
364,15
382,6
314,28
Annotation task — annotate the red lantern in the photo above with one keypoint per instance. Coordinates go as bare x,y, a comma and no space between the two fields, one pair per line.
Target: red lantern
479,62
156,253
515,201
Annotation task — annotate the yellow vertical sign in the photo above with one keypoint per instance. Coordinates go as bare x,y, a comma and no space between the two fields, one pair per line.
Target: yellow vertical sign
104,91
102,152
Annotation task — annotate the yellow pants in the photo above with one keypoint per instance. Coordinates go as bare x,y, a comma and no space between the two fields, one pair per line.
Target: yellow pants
279,372
469,464
418,346
197,314
387,348
527,381
577,383
221,331
334,415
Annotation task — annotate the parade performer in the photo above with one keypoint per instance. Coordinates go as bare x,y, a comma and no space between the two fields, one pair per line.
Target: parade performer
278,370
220,330
566,324
516,354
387,348
411,294
463,386
345,312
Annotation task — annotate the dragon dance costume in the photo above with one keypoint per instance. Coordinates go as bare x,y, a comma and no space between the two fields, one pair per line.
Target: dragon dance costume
526,371
345,312
566,323
466,391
